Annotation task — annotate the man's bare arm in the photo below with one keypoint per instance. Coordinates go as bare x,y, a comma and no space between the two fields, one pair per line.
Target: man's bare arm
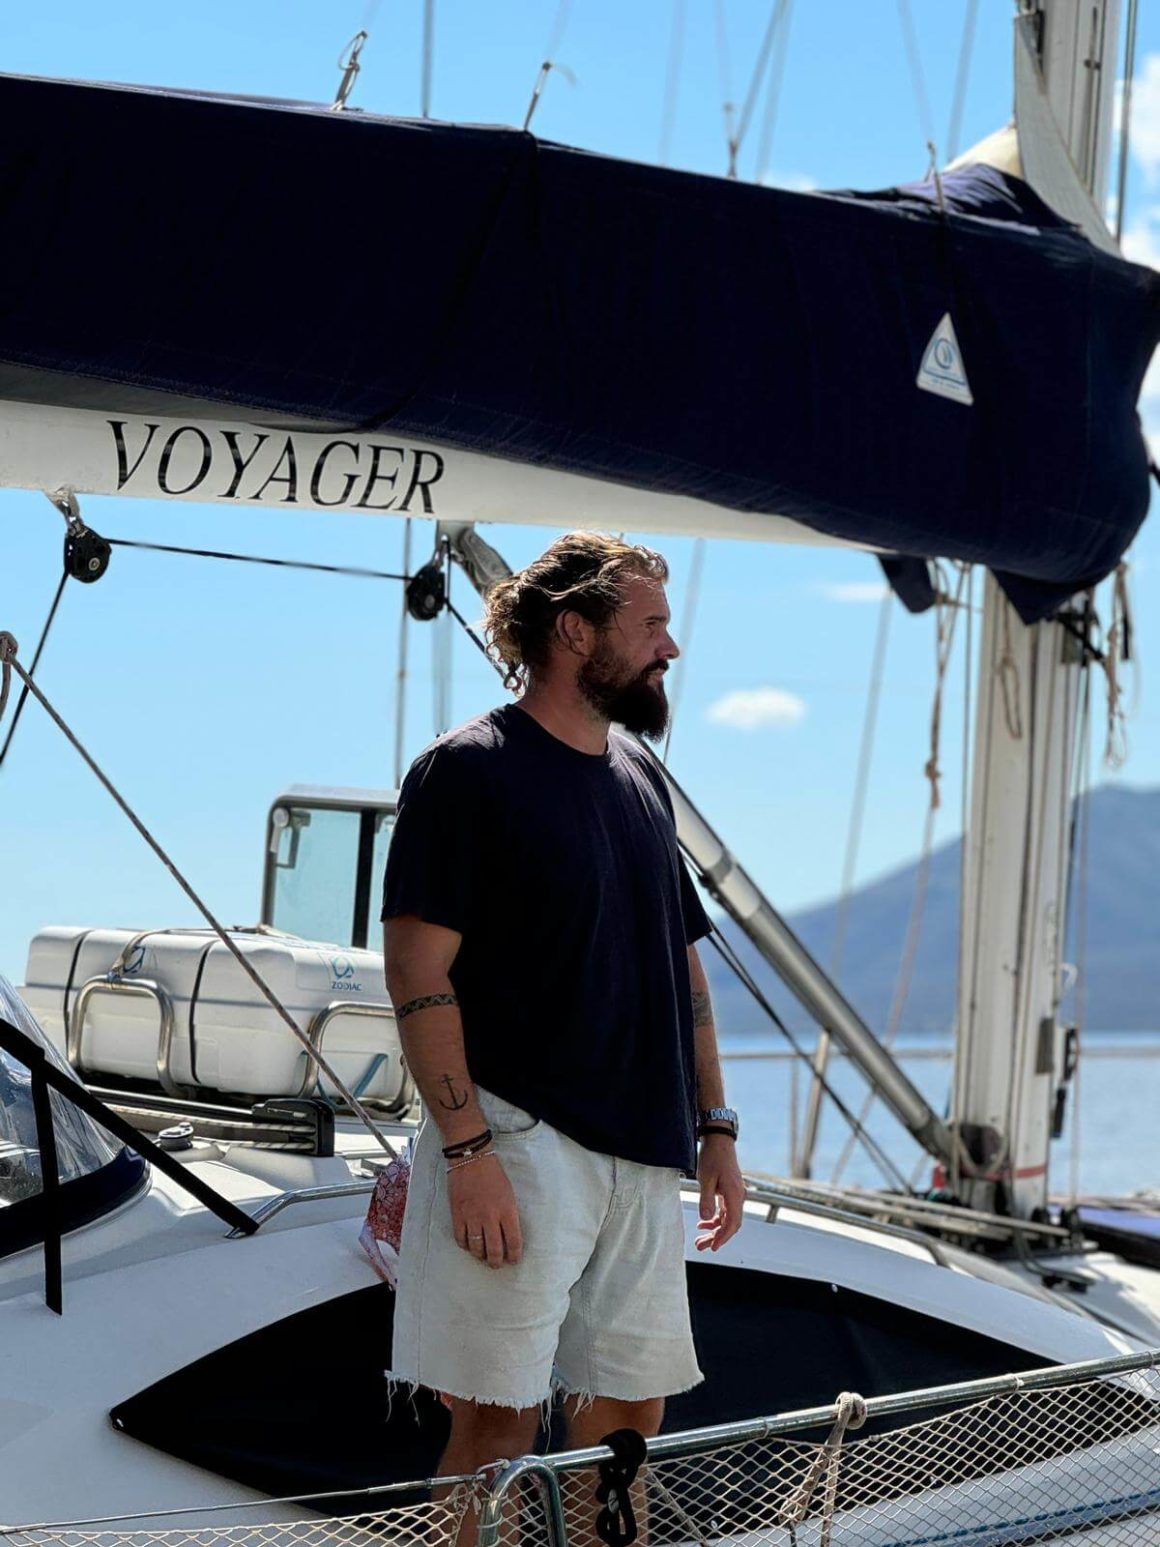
722,1186
710,1083
418,958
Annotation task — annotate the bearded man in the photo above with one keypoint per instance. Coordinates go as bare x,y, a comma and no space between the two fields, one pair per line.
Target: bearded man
540,953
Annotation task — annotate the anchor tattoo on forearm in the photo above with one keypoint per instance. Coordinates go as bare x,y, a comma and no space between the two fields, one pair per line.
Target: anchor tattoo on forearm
457,1101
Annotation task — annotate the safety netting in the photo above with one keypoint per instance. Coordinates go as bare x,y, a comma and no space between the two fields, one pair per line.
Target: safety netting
1045,1458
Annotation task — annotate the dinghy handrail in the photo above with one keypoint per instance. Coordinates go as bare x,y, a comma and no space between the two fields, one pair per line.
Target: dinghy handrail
284,1200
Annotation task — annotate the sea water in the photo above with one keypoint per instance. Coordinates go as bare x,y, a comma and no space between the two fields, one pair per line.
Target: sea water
1110,1143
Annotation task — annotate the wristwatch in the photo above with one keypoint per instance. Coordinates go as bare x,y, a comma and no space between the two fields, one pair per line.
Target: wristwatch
717,1120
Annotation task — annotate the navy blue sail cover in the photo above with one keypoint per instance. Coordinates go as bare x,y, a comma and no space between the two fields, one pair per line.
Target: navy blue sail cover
480,288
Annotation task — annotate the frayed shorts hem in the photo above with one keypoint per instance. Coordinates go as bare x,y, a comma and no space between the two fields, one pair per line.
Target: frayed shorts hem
558,1389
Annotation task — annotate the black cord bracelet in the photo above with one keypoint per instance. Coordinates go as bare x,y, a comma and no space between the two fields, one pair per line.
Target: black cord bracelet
467,1147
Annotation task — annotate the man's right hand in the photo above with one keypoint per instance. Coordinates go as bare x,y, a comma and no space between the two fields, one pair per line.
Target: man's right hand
484,1216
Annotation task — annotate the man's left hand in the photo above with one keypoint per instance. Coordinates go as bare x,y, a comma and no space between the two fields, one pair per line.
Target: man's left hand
722,1191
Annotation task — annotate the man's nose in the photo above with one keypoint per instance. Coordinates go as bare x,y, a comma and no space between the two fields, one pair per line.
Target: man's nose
669,649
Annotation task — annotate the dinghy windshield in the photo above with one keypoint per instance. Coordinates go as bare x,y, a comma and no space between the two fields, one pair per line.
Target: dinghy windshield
95,1171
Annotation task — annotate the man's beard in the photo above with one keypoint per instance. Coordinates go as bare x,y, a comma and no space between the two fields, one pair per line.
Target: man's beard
637,702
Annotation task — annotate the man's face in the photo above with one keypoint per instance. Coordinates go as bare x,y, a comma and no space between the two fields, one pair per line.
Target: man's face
624,678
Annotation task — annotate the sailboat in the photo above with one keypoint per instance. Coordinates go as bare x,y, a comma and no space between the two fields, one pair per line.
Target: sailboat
560,360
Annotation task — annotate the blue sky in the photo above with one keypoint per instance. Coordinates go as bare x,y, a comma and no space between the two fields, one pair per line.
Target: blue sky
205,688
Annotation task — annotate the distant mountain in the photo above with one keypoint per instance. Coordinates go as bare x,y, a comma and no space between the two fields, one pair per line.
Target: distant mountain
1123,934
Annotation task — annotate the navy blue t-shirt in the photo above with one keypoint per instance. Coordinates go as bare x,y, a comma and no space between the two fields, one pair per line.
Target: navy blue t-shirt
561,871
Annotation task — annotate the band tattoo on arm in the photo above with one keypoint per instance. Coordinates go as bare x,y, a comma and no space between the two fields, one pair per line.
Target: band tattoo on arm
702,1009
424,1002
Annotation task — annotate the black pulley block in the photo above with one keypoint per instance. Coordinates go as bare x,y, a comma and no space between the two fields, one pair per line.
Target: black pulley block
86,554
426,592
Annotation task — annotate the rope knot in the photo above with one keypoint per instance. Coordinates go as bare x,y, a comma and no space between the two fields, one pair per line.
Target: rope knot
851,1410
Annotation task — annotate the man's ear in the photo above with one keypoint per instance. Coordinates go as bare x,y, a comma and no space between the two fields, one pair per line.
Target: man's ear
574,633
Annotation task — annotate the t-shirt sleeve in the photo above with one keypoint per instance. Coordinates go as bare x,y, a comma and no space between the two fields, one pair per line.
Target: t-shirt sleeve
697,924
433,862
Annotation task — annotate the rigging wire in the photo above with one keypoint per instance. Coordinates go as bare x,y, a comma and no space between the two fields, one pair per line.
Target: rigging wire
962,75
9,662
725,77
964,840
1126,116
401,672
917,76
777,14
672,82
1082,822
731,959
40,644
773,96
824,1043
441,656
428,58
688,617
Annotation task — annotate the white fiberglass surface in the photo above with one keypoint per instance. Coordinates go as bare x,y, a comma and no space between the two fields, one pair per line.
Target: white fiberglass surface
81,1146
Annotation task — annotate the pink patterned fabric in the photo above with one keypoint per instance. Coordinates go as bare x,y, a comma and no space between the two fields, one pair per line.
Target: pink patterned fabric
383,1228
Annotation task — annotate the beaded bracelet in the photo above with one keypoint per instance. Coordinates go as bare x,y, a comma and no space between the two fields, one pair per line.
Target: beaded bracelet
458,1165
466,1147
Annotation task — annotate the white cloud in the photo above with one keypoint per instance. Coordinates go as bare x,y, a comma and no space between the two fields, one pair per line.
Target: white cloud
1145,125
797,182
852,590
748,709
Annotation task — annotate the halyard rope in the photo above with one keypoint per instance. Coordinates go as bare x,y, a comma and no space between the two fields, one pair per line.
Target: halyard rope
9,664
1118,650
947,611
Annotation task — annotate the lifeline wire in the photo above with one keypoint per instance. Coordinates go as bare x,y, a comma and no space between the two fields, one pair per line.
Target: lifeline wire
253,558
8,659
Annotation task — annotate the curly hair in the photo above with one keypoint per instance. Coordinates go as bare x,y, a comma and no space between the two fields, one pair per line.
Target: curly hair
581,572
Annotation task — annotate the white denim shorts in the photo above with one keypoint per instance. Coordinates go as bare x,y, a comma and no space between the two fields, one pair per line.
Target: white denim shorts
596,1307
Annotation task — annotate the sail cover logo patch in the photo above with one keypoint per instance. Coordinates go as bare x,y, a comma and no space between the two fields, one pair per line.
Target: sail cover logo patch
941,371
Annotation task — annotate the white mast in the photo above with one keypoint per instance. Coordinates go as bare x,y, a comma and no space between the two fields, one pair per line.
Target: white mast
1010,1046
